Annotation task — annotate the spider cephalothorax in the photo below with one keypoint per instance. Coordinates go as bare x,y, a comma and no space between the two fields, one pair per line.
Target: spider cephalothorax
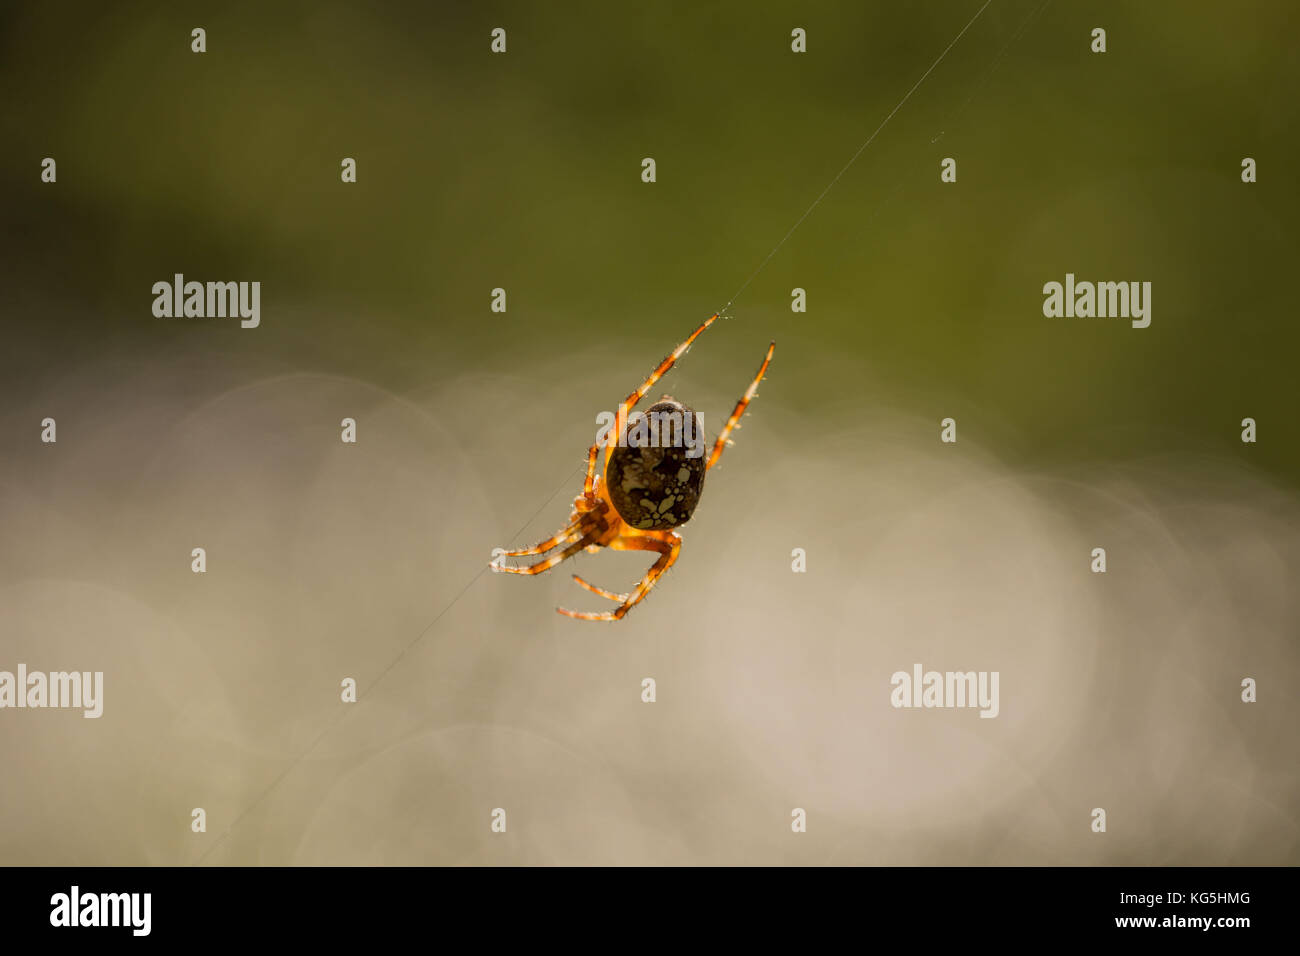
655,478
652,484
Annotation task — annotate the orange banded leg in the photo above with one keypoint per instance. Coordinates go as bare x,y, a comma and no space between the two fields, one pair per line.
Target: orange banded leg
618,598
739,410
668,546
658,373
571,533
548,563
587,503
589,525
590,483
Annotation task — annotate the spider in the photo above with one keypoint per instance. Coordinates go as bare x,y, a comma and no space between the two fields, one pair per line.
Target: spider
647,492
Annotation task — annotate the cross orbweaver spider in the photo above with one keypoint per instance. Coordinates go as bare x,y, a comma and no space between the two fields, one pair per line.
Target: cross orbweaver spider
646,493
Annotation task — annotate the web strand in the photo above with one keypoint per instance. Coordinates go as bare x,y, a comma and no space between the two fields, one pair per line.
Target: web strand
854,158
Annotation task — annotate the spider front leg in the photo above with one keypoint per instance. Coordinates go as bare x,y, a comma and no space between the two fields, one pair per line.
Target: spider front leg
569,534
616,598
667,543
732,422
592,535
575,530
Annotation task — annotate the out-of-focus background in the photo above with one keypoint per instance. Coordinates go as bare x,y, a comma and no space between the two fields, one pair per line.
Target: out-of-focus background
522,171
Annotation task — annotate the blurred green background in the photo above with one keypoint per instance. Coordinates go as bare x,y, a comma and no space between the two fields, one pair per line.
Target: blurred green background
523,171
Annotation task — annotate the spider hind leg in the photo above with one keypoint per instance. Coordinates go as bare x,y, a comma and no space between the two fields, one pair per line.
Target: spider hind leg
734,421
630,402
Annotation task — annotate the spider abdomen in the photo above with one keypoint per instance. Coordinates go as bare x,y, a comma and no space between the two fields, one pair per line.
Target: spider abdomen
656,474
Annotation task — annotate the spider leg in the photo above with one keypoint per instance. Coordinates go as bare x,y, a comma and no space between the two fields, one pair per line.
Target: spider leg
658,373
739,410
547,563
588,527
667,543
574,530
571,533
590,483
619,598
